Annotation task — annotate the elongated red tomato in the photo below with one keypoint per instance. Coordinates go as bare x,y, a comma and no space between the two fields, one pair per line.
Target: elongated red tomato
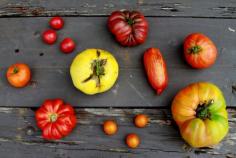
56,119
155,67
199,51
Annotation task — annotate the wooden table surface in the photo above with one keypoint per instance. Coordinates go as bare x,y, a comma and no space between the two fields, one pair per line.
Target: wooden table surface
21,24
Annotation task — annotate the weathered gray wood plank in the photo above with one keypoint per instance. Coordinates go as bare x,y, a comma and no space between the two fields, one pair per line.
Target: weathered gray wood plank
131,89
19,136
23,36
51,70
177,8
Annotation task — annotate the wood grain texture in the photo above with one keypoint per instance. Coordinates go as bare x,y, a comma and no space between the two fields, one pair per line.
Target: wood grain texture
176,8
21,137
21,42
170,22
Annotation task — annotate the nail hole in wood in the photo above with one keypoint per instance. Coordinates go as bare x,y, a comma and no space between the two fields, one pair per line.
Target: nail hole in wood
41,54
17,50
36,33
30,130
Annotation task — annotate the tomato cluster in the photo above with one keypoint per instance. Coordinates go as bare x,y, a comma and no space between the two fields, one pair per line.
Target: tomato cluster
49,36
132,140
198,105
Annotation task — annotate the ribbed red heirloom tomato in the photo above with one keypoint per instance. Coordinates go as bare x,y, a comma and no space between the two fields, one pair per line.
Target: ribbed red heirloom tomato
199,51
56,23
129,27
49,36
56,119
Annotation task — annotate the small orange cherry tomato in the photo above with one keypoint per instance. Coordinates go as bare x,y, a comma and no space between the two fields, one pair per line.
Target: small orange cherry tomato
18,75
132,140
141,120
110,127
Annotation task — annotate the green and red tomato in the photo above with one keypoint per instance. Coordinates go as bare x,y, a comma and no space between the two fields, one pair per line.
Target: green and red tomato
200,112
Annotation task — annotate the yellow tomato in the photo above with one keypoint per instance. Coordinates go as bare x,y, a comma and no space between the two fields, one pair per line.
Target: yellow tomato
94,71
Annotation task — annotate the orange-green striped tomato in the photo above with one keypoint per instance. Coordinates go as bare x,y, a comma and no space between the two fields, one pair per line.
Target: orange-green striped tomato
200,112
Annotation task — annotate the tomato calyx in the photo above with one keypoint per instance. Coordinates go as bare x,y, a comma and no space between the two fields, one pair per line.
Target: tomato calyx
195,49
53,117
97,67
203,111
15,70
130,21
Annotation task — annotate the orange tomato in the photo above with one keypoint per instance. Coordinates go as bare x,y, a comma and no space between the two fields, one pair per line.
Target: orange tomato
18,75
110,127
132,140
141,120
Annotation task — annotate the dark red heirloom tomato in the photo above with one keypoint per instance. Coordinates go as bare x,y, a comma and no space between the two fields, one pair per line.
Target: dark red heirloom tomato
55,118
129,27
155,67
49,36
67,45
199,51
56,23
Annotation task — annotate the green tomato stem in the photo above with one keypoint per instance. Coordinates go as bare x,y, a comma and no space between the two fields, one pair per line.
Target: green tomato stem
15,70
195,49
98,69
130,21
53,117
203,111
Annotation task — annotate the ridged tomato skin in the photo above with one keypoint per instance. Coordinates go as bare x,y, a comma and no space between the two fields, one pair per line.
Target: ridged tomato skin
196,131
56,119
156,70
130,28
199,51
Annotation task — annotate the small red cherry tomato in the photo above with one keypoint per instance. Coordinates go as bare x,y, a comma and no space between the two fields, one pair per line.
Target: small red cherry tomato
49,36
67,45
56,23
132,140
